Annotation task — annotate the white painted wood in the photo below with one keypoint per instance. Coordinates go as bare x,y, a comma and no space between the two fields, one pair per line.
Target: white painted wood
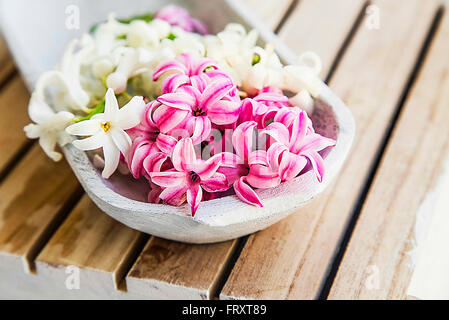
216,220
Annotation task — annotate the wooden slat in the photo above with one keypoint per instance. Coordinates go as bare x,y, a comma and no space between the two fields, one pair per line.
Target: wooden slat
33,198
415,160
13,105
270,12
172,270
6,62
331,21
100,246
291,259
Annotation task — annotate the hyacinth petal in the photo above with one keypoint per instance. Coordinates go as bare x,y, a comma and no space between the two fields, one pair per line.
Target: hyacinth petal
193,92
184,156
216,183
169,179
262,177
178,100
316,142
278,132
274,154
166,143
317,163
242,139
167,118
215,91
299,131
84,128
258,157
168,66
247,111
111,105
286,115
154,194
153,162
224,112
111,157
194,197
246,193
175,196
199,82
173,82
230,159
140,149
91,143
204,63
201,129
130,115
121,140
291,165
268,97
205,169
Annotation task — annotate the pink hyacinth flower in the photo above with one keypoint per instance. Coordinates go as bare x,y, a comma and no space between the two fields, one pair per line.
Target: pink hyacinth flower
294,145
265,106
150,147
207,101
189,177
248,168
177,16
184,66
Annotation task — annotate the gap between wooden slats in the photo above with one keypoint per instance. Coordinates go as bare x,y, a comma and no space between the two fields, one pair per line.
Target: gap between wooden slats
379,259
371,78
7,68
102,249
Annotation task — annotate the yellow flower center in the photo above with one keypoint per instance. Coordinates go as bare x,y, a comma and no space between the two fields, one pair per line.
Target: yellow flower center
106,126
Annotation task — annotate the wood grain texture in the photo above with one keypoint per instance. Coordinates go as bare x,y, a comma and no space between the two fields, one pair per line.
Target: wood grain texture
32,202
173,270
94,242
415,160
290,260
270,12
13,106
6,62
335,20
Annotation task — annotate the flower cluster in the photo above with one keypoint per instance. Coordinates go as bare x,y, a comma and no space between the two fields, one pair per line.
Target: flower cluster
198,116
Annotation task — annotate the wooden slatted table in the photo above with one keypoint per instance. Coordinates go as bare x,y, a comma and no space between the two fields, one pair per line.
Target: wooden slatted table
394,78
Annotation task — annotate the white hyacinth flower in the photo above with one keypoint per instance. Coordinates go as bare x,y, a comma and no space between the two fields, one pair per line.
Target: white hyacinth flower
107,130
304,77
49,127
233,50
131,63
266,72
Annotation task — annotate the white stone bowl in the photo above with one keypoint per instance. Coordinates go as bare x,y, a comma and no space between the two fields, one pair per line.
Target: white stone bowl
216,220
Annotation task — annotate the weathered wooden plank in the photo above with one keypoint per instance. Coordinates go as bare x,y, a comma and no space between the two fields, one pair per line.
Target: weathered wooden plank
291,259
100,246
33,200
13,105
270,12
321,26
379,259
6,62
172,270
